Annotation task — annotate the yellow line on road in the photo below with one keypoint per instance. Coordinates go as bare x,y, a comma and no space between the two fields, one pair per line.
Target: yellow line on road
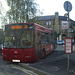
24,70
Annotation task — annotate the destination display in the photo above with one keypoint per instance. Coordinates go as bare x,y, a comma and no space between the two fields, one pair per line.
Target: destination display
19,26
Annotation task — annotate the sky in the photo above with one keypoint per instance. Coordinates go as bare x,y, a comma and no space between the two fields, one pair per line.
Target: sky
49,7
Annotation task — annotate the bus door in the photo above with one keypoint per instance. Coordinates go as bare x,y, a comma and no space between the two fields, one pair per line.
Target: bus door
45,41
38,46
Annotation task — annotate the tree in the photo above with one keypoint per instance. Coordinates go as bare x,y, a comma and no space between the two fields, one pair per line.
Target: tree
3,18
21,10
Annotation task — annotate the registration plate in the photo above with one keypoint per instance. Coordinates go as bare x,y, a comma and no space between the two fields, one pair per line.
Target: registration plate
15,60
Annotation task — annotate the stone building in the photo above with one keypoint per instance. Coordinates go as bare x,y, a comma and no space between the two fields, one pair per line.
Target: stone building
58,24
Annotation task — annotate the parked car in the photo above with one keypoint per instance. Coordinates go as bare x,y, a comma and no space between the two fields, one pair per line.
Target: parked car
73,41
60,42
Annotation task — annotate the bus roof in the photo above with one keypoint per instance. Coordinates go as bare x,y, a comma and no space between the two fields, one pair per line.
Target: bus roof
42,28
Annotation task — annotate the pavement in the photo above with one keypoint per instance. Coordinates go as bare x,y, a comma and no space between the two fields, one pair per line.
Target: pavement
72,56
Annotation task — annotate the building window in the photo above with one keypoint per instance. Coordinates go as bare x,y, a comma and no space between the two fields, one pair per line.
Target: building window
48,22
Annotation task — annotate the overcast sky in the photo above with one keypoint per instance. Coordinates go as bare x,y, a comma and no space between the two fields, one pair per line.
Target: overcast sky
49,7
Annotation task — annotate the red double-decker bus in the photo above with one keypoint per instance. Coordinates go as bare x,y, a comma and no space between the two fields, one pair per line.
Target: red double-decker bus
26,42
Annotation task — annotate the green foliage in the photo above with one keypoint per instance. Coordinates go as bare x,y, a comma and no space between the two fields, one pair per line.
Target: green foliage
21,10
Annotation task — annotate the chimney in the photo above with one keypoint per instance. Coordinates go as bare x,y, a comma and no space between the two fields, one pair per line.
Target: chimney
56,26
66,14
56,13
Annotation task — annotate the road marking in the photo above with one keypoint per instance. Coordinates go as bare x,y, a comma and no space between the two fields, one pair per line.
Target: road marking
24,70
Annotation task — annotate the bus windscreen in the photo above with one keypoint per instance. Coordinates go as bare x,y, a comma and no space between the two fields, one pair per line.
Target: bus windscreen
19,36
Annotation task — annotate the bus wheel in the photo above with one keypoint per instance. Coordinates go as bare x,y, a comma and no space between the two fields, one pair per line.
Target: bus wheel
43,54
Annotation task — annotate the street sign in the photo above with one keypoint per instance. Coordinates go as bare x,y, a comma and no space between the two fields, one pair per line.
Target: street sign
64,25
67,6
68,41
68,45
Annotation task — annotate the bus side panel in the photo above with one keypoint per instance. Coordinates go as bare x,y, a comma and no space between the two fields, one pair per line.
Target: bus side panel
48,48
26,55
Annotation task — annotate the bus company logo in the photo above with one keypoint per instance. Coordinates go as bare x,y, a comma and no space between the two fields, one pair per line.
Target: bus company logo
15,52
